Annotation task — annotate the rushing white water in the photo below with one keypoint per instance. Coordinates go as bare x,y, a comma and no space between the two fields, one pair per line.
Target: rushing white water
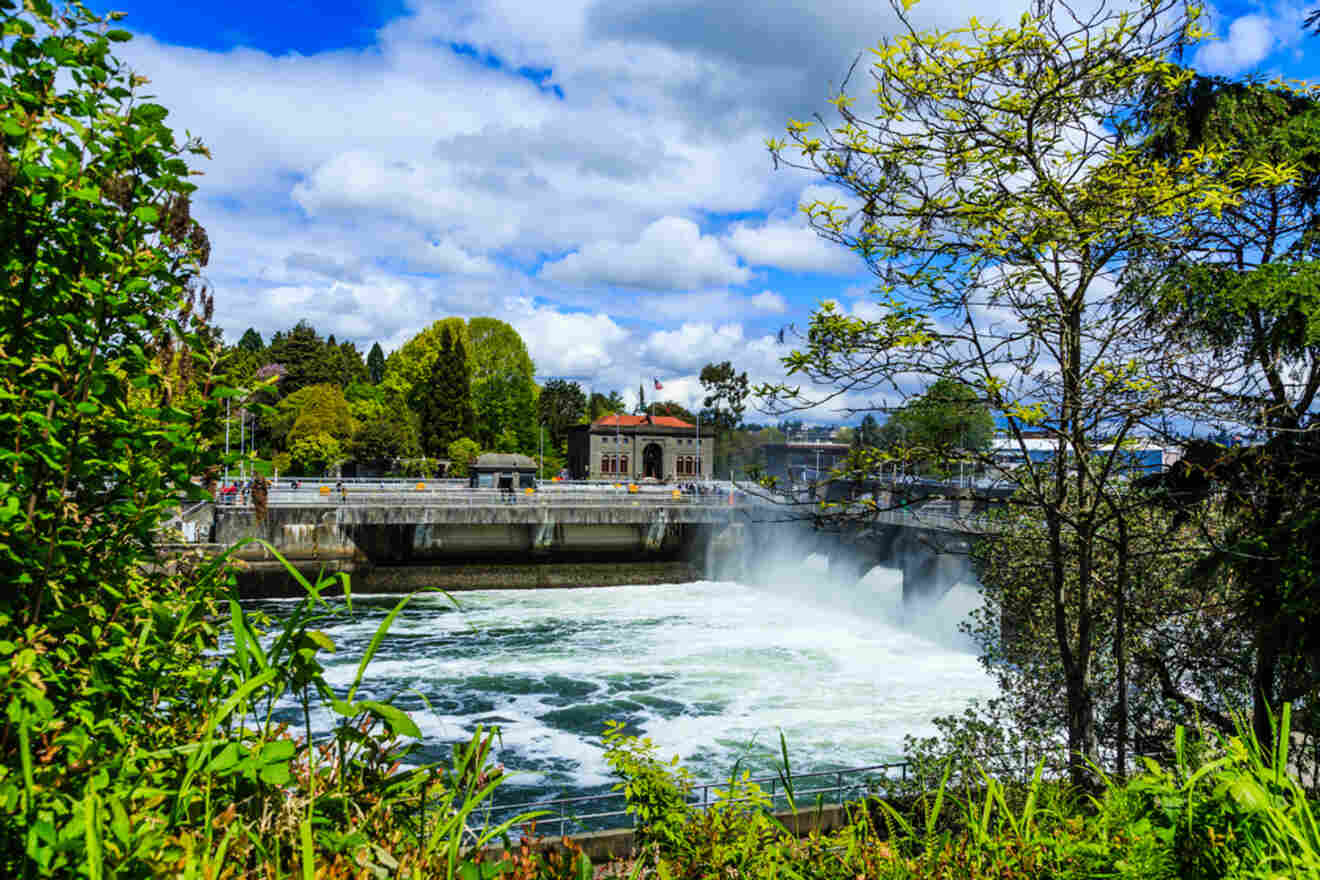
704,669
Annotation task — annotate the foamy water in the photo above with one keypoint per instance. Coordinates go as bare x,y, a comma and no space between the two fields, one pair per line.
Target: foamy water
711,671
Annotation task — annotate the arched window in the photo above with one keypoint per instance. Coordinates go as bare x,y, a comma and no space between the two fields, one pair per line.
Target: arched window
623,464
604,464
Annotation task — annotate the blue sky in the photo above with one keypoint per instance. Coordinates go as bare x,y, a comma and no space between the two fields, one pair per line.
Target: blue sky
592,172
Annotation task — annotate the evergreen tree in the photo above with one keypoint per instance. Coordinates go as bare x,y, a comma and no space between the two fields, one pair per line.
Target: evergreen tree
302,352
376,364
445,402
463,390
641,398
349,364
251,341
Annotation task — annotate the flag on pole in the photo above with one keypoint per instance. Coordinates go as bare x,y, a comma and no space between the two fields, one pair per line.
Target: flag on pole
658,386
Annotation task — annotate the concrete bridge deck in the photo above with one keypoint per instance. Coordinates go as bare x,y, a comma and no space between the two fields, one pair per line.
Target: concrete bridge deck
384,532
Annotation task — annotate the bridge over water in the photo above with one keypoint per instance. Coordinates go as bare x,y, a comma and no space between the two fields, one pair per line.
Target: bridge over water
397,536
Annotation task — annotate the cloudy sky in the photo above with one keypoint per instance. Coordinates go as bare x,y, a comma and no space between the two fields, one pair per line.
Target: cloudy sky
594,173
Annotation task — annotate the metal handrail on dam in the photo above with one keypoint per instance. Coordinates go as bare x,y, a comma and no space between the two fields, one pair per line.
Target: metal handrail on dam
481,498
594,811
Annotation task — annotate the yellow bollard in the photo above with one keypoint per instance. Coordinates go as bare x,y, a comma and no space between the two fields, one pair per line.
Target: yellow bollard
676,493
325,490
421,486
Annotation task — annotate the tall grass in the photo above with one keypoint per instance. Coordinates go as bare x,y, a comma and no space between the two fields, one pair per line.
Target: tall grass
170,760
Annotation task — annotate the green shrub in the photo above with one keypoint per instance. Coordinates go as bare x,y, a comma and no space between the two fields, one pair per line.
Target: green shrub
656,791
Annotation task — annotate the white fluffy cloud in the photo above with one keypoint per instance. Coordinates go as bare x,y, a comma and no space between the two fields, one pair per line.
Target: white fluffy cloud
1252,38
374,190
769,301
1249,40
693,345
670,254
791,246
566,343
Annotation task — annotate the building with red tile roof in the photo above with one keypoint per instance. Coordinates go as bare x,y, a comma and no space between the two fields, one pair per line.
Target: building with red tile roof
619,446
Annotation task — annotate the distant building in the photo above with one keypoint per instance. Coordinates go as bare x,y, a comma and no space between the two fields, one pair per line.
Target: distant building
624,447
502,470
1139,454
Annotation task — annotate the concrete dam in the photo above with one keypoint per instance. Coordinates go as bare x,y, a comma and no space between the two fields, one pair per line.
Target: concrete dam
398,541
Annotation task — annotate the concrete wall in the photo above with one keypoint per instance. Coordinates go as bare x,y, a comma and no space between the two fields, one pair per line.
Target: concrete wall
515,545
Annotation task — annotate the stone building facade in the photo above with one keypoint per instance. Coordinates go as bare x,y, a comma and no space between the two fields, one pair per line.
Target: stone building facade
623,447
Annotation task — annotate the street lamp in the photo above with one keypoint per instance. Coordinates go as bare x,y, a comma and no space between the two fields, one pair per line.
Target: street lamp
227,400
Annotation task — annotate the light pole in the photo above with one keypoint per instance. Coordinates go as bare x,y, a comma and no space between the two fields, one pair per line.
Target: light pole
242,444
540,470
227,440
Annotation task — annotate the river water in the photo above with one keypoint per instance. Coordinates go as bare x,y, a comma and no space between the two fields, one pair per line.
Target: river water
712,671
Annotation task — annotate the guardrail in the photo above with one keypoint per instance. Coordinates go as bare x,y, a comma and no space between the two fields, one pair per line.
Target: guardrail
600,812
608,811
448,497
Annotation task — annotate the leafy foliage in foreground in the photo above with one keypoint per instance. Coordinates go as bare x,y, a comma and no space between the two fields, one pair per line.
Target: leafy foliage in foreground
1223,808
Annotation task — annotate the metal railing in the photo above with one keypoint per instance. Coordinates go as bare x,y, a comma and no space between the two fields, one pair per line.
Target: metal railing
600,812
465,497
608,811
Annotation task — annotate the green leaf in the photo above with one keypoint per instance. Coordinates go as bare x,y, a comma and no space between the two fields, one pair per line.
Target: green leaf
1246,793
226,760
11,127
395,718
279,750
275,774
149,113
118,36
321,640
147,214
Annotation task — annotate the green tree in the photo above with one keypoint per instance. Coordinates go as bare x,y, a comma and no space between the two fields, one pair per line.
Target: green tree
561,405
315,454
641,399
1248,293
316,409
409,367
504,404
102,431
251,341
239,365
462,453
302,352
347,363
1000,226
387,436
945,422
376,364
723,405
726,394
496,349
444,404
97,251
602,405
